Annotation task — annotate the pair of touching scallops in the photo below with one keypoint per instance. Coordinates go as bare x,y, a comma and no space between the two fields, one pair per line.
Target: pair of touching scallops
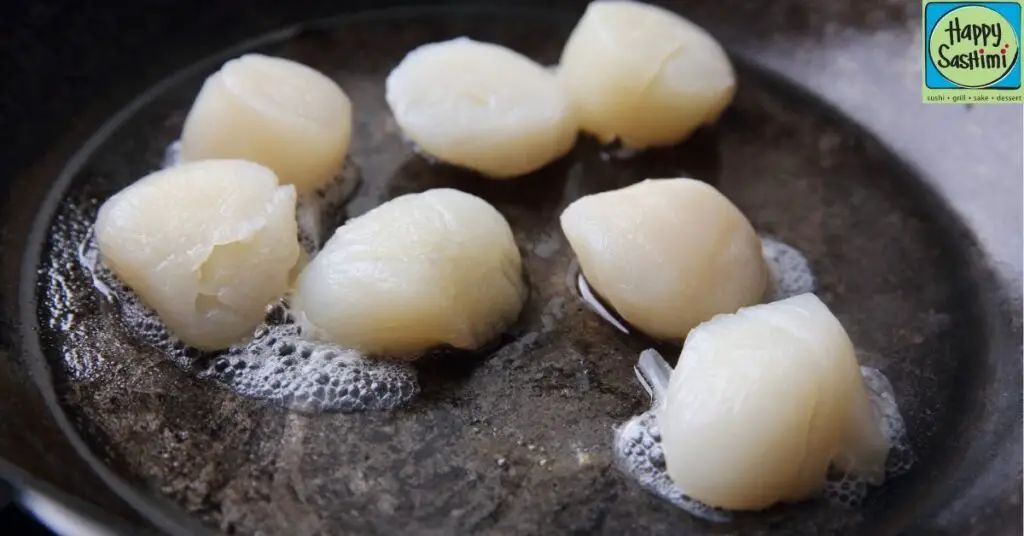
765,398
629,72
208,245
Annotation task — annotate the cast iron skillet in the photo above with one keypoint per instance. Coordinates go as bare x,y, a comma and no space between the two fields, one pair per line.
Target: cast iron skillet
896,264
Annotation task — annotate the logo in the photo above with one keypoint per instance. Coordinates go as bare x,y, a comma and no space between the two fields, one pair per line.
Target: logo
972,52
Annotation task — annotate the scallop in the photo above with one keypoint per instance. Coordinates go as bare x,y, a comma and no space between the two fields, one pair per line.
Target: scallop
420,271
481,106
762,402
644,75
666,254
277,112
206,245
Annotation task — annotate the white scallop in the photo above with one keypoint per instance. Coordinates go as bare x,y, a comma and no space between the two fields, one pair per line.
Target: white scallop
762,402
207,245
279,113
644,75
666,254
481,106
422,270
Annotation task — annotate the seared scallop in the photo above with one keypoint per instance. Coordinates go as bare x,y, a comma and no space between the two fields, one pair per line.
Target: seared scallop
206,245
666,254
277,112
762,402
643,75
481,106
422,270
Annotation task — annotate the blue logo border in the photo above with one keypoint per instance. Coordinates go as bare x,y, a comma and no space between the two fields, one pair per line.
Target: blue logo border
933,11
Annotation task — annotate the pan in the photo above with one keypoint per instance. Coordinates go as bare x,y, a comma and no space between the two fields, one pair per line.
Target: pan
518,439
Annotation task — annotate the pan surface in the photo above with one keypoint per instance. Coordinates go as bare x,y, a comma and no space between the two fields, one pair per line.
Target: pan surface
517,440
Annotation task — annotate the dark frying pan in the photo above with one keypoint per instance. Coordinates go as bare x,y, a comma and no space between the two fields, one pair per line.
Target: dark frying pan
913,229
